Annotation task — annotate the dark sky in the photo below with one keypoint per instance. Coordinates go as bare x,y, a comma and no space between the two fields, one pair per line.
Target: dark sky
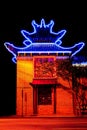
13,19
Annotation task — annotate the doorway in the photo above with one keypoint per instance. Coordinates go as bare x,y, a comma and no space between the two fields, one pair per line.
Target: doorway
43,99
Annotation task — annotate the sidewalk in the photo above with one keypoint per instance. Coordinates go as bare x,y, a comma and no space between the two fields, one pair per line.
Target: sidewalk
40,116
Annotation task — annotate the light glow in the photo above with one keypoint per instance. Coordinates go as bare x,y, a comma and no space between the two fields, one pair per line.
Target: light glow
80,64
43,40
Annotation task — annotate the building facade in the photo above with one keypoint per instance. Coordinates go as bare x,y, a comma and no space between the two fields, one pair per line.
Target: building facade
44,86
39,89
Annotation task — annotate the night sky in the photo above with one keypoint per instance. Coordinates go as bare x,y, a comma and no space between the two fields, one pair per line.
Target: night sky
13,20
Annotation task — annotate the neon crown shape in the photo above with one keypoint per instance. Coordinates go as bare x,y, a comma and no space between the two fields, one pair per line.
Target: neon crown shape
43,40
43,33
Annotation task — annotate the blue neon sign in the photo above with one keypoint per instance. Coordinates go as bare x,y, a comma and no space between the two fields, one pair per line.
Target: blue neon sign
43,40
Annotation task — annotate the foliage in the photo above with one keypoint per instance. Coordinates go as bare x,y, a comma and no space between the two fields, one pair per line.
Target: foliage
75,75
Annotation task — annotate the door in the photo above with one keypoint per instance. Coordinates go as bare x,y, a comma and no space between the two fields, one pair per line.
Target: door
45,102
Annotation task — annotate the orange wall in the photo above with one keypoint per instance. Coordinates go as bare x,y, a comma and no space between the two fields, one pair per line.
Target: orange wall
64,98
64,103
24,97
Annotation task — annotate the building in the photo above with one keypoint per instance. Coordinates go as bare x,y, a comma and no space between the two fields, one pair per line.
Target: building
42,88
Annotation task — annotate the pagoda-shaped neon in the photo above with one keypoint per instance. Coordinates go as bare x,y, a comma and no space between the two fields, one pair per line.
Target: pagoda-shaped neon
43,40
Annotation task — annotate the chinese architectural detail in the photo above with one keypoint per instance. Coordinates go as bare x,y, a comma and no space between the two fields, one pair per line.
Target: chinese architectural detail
44,72
44,68
38,41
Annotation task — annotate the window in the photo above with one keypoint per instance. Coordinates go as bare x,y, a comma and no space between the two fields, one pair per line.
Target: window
44,67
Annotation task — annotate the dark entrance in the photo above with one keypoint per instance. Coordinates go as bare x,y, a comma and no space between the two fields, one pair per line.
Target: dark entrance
44,96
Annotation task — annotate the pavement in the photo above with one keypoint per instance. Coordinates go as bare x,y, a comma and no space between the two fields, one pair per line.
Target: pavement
43,116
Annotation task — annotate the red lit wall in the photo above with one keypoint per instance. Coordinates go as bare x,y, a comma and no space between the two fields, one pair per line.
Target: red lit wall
24,93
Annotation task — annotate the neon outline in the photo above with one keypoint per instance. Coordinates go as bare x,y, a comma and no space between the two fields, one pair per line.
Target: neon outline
57,42
43,25
80,64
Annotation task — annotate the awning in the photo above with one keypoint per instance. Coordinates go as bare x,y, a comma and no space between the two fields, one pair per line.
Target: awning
44,81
